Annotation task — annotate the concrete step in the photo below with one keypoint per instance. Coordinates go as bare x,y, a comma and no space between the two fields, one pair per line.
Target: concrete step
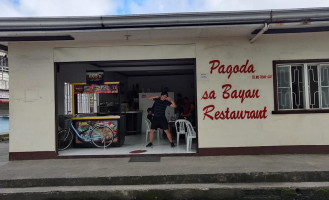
252,177
236,191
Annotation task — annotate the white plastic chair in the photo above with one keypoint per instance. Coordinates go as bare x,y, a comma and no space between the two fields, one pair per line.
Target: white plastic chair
190,135
180,126
148,128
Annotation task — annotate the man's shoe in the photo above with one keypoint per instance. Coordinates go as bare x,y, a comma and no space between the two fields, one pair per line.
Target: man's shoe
149,144
172,144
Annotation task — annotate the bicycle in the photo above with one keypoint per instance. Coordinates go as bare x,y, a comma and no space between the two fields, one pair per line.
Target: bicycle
100,135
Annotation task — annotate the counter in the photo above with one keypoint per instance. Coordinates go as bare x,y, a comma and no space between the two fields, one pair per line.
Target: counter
84,117
116,122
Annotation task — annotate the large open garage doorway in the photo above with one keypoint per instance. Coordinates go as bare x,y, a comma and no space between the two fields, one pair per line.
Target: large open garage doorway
119,104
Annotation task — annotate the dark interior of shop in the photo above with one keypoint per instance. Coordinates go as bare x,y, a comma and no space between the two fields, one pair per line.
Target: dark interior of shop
137,80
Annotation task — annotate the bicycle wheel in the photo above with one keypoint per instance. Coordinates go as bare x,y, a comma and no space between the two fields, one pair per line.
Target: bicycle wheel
102,136
65,138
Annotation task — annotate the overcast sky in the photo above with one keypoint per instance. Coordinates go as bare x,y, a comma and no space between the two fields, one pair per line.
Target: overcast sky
31,8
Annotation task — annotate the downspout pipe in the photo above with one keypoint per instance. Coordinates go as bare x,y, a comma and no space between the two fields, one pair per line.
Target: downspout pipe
264,29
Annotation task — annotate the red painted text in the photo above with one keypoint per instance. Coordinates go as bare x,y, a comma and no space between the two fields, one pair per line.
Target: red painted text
233,114
222,69
239,94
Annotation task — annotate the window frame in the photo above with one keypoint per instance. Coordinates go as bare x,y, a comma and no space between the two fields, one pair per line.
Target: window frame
307,62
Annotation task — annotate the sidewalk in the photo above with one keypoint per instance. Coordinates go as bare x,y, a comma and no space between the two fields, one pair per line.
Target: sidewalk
116,167
263,173
4,157
170,170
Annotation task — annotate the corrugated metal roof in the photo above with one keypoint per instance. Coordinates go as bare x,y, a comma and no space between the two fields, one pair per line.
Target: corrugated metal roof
164,20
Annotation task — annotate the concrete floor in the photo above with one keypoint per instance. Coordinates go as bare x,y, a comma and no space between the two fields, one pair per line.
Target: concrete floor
133,143
107,167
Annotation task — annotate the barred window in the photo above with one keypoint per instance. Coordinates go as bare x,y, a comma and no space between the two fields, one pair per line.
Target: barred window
302,86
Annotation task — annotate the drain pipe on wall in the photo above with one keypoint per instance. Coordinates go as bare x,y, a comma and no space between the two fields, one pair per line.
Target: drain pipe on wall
265,28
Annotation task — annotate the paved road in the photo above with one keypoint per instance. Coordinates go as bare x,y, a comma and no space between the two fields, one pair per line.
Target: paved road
4,149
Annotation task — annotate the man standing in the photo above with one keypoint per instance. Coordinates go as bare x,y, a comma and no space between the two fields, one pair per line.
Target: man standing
159,118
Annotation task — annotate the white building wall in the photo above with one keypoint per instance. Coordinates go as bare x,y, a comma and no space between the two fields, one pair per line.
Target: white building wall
32,72
32,98
276,129
32,103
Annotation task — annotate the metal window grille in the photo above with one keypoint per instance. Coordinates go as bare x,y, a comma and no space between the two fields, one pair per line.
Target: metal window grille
303,86
4,73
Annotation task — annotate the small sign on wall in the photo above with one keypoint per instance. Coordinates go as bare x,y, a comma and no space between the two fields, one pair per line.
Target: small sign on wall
95,77
204,76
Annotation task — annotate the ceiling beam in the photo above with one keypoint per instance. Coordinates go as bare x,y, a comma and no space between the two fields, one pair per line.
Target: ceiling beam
148,68
36,38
